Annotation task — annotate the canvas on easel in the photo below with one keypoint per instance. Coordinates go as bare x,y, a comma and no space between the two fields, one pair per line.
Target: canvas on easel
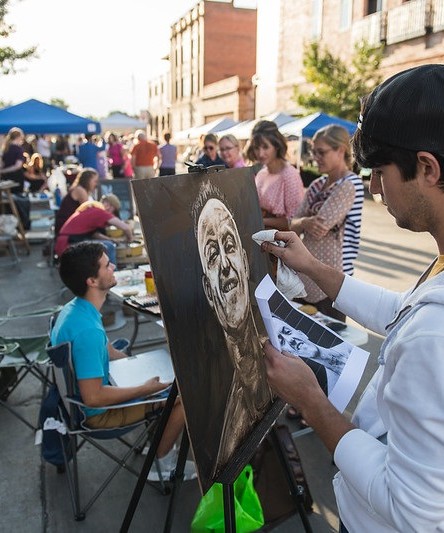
197,229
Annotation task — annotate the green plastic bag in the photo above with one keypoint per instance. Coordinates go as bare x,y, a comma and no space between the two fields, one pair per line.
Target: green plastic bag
209,516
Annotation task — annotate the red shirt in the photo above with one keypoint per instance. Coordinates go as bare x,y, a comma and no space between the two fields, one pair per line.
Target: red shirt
85,223
144,153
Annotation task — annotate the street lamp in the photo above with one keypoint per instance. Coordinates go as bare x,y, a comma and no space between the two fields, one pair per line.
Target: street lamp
255,82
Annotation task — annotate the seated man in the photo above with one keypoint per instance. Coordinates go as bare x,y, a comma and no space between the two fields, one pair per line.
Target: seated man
87,271
89,221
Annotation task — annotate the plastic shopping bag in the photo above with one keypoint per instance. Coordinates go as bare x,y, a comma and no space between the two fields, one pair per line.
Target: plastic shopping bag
209,516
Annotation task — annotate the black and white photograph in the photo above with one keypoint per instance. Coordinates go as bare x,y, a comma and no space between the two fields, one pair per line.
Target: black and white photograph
198,229
337,364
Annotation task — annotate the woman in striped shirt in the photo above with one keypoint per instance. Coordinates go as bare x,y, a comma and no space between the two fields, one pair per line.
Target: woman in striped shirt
330,215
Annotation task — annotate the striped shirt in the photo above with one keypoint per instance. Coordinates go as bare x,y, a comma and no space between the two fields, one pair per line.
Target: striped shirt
352,229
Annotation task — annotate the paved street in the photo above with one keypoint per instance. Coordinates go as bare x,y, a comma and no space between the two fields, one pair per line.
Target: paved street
35,498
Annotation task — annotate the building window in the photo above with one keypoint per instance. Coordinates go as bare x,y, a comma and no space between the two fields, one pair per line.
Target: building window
345,14
317,19
374,6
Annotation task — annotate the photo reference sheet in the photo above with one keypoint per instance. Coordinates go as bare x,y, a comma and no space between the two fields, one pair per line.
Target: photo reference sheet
135,370
338,365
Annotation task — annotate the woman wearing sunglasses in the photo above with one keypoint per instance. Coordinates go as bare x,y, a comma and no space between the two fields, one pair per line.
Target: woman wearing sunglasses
330,215
210,156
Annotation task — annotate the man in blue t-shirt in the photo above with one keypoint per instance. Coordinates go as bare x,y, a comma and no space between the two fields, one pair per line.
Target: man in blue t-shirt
87,271
88,153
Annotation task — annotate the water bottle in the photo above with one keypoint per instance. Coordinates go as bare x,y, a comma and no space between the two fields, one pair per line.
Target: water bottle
58,195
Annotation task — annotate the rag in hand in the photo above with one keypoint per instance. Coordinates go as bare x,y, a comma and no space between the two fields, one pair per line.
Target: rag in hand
287,280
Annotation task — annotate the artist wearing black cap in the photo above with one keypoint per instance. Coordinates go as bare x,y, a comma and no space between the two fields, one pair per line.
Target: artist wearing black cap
391,454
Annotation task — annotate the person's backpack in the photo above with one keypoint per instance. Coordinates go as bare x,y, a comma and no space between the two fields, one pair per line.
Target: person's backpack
52,438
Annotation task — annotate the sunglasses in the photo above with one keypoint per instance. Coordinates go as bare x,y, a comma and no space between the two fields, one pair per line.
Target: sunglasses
209,148
320,153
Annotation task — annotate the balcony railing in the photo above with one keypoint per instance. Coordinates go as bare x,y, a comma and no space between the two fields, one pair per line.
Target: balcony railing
408,21
438,15
369,29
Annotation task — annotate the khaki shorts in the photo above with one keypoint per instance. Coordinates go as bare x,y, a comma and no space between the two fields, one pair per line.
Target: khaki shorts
144,172
124,416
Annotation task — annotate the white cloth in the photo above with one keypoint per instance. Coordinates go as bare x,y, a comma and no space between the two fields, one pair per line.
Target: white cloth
287,280
391,469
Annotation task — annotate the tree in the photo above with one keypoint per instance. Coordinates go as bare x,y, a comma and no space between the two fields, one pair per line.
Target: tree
8,56
337,87
59,102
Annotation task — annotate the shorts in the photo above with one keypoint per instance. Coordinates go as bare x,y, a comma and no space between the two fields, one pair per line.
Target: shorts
124,416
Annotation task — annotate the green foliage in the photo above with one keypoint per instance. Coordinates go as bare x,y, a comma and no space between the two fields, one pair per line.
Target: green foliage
338,87
58,102
9,57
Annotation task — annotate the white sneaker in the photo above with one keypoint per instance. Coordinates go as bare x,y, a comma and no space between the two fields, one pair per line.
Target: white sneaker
189,472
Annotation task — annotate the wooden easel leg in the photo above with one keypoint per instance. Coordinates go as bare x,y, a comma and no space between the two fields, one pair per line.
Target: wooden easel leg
137,493
297,491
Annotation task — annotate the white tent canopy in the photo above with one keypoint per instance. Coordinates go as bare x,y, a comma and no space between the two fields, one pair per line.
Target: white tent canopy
212,127
242,131
122,123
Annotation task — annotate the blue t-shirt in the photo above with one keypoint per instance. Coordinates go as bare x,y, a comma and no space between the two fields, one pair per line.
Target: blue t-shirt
88,154
81,324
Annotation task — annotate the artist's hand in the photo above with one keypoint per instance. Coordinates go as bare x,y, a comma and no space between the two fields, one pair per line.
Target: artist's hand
154,385
291,378
315,226
294,254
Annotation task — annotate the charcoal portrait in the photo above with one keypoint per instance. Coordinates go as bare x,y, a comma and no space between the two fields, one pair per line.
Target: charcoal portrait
197,229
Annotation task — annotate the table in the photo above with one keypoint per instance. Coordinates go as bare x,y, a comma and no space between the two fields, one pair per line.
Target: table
130,282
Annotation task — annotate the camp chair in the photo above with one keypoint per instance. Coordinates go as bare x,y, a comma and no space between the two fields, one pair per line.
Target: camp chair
72,417
23,340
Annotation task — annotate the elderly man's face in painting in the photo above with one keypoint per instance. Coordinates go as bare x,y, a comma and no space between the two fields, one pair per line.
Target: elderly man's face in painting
225,266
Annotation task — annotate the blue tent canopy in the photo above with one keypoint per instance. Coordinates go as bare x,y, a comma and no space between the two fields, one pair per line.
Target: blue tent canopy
308,126
33,116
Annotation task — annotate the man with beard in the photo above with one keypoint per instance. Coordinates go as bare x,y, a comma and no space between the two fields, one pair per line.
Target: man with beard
225,283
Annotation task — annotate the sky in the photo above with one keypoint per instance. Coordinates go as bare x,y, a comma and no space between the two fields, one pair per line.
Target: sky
95,55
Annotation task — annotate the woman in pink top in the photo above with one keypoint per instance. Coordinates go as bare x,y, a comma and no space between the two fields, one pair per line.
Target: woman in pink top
230,151
279,184
115,154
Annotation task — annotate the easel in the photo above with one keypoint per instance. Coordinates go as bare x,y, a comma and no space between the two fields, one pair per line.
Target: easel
296,491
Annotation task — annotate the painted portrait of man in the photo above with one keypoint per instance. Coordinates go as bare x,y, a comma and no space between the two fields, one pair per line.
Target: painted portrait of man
225,283
197,228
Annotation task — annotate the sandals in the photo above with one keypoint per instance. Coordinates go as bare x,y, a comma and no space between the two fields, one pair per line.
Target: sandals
293,414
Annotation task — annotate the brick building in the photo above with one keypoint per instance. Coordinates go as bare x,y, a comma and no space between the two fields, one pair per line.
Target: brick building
412,31
212,62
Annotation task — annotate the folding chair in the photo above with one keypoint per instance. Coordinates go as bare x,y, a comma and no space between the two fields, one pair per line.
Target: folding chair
73,419
23,342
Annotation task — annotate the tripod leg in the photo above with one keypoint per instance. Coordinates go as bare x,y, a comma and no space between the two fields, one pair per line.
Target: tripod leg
297,491
177,480
229,509
137,493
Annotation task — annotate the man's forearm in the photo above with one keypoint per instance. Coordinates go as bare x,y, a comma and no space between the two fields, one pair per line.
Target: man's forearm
329,424
328,279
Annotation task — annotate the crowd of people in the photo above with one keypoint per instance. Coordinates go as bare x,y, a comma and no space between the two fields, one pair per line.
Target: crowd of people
389,455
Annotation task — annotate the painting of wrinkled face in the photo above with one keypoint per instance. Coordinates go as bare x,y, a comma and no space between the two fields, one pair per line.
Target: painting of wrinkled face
197,229
224,263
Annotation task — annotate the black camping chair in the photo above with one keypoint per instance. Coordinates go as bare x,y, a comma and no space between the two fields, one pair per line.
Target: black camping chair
72,417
